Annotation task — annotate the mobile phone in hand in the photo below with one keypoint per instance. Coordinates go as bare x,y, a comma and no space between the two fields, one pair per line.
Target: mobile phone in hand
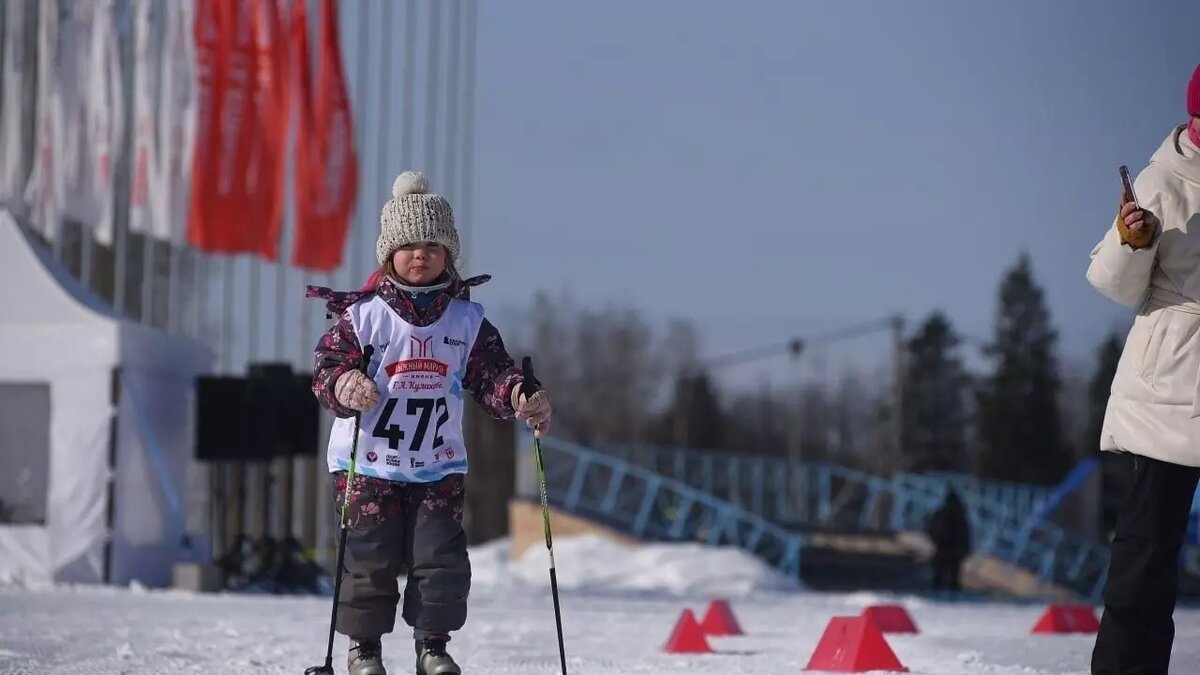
1128,186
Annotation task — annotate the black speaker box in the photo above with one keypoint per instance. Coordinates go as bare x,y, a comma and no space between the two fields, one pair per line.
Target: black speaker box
221,420
270,413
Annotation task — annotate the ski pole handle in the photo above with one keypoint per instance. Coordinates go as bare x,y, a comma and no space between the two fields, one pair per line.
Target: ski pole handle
529,386
367,353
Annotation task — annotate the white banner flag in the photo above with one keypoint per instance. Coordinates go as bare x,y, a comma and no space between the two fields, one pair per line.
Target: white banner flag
176,122
147,33
105,118
14,164
73,183
165,117
79,116
43,192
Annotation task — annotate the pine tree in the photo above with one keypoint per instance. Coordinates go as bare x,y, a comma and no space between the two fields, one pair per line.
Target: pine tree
934,426
694,418
1019,423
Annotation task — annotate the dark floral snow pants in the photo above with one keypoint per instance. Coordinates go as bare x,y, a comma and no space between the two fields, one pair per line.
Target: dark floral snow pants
396,528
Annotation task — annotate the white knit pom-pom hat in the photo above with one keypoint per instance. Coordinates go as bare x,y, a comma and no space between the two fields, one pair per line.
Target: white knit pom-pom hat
413,215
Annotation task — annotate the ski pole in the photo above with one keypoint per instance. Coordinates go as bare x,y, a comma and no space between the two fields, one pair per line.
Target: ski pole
327,669
529,389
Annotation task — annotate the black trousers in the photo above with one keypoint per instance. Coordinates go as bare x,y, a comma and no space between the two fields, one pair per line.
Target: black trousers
414,529
947,573
1137,628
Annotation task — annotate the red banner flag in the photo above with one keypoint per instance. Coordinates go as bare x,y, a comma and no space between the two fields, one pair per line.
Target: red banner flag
275,83
326,162
241,128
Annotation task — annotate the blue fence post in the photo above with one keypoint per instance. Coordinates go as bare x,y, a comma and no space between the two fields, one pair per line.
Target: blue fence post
720,522
609,504
735,480
789,563
899,506
577,478
824,496
779,471
868,504
708,474
759,509
681,517
648,499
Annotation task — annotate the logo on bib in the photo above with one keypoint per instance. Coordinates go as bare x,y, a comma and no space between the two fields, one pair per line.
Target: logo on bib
371,456
420,360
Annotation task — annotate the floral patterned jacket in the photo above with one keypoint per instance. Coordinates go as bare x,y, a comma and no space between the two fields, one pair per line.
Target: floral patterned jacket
491,373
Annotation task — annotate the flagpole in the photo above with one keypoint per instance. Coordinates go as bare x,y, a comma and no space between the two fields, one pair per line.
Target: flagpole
382,125
227,318
122,254
306,307
431,93
148,278
452,136
253,305
409,84
200,288
468,144
281,267
172,318
85,254
360,74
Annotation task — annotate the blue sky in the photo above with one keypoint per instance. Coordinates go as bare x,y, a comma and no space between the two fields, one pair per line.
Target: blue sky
775,168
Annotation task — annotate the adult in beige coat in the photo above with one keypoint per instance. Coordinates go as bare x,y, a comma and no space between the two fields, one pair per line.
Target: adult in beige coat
1150,259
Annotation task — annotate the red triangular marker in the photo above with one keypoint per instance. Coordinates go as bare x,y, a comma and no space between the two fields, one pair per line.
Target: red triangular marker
890,618
719,619
1085,619
853,645
688,636
1061,619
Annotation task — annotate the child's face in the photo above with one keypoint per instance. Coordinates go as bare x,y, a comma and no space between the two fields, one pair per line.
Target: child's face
421,263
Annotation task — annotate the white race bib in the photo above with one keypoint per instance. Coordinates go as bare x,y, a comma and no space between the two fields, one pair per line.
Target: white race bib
415,433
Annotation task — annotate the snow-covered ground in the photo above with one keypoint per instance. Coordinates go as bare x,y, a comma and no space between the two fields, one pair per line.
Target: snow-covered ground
619,606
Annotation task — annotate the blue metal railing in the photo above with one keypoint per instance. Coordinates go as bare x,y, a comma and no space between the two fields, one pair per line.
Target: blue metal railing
1005,517
651,506
775,488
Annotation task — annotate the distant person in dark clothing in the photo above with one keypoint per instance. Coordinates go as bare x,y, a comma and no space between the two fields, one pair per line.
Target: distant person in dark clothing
951,535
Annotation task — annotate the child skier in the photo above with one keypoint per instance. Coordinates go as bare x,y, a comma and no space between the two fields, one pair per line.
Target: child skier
431,345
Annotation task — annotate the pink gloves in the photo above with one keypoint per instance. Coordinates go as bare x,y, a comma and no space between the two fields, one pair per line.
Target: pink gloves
535,410
356,391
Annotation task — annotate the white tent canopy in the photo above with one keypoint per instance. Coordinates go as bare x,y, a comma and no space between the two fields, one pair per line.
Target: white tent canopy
86,396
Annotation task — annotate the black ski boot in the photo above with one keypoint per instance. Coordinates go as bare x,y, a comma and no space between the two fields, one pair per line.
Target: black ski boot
365,658
432,658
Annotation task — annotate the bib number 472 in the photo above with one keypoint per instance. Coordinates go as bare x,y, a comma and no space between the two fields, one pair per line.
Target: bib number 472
425,407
